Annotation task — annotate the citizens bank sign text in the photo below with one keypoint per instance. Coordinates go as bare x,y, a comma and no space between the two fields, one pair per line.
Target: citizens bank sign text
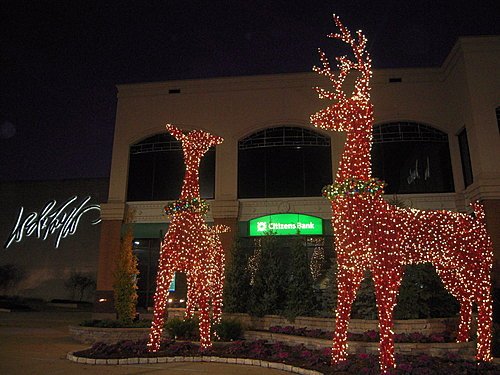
55,220
286,225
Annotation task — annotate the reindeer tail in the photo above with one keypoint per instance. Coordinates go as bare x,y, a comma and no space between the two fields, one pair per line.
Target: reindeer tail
479,212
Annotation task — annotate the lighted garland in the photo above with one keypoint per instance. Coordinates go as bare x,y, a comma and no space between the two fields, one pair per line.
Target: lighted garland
191,247
352,186
188,204
371,234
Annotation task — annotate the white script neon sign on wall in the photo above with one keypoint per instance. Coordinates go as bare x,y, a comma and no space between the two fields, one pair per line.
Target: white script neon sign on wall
61,221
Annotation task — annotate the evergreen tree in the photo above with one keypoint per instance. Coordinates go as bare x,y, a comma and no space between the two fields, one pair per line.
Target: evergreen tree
422,295
301,299
125,280
365,305
330,291
237,282
269,289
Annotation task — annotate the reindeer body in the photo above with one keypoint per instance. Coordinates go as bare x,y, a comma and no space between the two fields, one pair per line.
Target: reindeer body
191,247
371,234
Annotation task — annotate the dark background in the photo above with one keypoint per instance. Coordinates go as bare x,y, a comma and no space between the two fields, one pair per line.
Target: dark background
60,60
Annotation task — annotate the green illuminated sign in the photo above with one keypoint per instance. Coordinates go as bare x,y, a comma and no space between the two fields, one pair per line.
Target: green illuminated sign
171,288
286,225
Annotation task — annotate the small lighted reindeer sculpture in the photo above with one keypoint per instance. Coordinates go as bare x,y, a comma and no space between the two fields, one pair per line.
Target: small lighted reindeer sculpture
190,246
371,234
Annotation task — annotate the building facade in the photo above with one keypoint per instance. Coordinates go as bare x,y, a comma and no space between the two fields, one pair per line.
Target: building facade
436,142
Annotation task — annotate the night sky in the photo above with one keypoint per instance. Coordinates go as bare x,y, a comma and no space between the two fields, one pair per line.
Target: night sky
60,60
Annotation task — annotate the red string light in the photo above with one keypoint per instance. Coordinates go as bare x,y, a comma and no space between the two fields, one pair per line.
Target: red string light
190,246
371,234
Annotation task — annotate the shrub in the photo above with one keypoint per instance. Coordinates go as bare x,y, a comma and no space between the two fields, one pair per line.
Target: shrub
237,281
10,276
301,300
125,277
269,289
229,330
183,329
364,306
79,284
422,295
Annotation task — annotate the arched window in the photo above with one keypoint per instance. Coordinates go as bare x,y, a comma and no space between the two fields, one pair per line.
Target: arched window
283,162
412,158
156,170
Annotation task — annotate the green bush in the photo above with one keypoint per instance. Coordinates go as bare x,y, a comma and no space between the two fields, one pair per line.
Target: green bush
422,295
365,305
79,284
125,279
183,329
301,299
10,276
328,297
268,295
237,283
229,330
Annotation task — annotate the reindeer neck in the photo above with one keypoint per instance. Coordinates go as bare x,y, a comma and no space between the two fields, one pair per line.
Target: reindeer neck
191,185
356,157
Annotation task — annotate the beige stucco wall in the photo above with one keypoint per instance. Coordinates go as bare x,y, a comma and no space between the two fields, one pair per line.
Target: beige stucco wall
461,93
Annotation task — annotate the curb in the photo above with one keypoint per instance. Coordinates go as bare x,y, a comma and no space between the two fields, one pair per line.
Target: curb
237,361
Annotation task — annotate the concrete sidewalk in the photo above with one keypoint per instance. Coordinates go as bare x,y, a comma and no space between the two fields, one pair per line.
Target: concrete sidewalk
37,343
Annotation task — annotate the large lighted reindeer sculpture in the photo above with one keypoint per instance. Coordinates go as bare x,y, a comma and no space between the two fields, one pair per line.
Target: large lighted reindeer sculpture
190,246
371,234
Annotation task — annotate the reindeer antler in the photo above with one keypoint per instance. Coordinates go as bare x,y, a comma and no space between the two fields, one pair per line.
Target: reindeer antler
176,132
361,63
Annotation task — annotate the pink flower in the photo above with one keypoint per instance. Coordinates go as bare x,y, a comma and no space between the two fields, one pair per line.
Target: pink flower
327,352
363,356
282,355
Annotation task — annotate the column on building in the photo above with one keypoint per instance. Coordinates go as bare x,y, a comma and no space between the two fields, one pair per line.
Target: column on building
109,247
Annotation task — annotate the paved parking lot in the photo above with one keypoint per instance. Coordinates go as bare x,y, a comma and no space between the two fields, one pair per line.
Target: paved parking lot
37,343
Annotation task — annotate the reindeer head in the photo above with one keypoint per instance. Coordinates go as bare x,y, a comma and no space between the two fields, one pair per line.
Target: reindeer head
196,142
346,114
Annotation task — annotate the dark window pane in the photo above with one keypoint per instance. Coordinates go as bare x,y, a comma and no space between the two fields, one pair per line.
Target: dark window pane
252,173
317,170
285,172
465,157
169,174
207,175
412,158
156,170
283,162
140,177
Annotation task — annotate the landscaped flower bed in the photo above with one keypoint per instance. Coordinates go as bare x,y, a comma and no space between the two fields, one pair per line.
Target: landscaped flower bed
298,356
367,336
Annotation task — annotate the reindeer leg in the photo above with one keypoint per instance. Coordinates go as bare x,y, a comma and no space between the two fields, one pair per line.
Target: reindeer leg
218,285
484,321
465,319
191,301
204,325
451,281
387,283
161,296
348,281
